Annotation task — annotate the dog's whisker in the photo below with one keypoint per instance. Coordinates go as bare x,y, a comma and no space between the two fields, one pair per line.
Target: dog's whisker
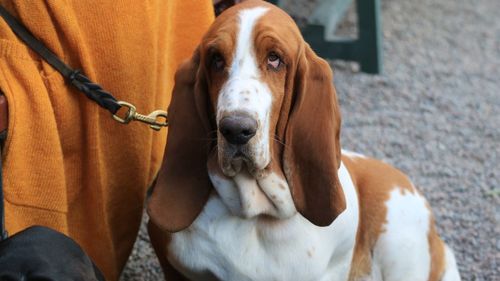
208,139
275,138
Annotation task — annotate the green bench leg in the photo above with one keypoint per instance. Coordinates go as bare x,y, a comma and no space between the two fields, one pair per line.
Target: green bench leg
366,49
370,36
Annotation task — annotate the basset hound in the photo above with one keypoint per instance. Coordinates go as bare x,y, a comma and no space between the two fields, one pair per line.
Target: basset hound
254,184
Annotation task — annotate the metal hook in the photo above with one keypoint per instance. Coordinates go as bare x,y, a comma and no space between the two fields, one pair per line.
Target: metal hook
151,119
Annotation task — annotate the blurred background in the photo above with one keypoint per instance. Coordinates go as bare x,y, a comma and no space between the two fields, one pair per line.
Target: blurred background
433,111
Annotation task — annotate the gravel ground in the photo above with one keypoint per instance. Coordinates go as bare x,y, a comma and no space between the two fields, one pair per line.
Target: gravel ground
434,114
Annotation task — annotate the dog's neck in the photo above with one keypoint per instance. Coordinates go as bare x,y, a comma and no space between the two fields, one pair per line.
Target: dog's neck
247,196
317,251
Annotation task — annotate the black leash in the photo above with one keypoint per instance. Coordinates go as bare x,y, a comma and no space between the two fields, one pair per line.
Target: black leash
156,119
81,82
92,90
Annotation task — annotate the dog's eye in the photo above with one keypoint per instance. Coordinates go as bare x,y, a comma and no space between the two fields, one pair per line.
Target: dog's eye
218,62
274,61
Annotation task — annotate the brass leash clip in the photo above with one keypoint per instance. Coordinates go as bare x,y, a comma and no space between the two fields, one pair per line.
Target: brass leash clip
151,119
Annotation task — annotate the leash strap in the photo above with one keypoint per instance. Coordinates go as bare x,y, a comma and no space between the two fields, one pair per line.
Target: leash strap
92,90
157,119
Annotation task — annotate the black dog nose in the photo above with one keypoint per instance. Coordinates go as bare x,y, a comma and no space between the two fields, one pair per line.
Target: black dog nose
238,129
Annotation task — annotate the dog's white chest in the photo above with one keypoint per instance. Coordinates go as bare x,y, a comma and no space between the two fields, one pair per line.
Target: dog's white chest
219,245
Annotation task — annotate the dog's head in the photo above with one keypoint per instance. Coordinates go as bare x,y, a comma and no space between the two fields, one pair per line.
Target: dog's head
254,99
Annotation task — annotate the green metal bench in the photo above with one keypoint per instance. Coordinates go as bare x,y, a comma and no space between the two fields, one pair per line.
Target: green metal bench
366,49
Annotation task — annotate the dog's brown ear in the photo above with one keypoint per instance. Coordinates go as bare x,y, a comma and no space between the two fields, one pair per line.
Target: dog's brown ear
183,185
312,145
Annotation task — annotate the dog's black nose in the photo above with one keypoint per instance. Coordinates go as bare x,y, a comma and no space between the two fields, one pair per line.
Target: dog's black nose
238,129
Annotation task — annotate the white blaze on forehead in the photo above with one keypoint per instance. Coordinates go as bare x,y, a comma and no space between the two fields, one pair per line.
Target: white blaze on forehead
243,60
245,93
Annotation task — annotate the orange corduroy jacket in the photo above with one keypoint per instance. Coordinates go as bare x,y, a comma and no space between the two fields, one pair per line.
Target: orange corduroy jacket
67,164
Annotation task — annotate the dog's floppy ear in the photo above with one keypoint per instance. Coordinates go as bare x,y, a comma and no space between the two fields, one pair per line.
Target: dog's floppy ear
312,150
183,185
